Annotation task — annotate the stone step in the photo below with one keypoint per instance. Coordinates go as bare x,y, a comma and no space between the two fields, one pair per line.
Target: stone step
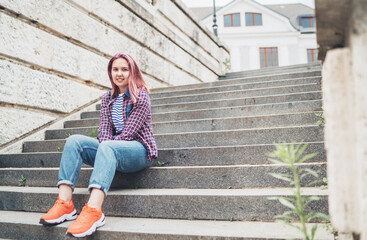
237,102
247,154
127,228
206,177
241,80
210,139
205,124
92,118
232,102
241,111
236,87
92,122
205,204
274,70
238,94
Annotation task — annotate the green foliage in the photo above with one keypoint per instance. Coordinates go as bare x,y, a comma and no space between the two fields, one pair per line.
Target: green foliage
94,133
59,149
291,155
68,135
227,64
22,181
161,164
136,185
328,227
325,186
321,122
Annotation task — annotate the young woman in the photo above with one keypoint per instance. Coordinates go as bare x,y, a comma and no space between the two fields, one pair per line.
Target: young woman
125,143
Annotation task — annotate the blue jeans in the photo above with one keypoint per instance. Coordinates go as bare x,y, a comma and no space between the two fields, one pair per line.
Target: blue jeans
106,157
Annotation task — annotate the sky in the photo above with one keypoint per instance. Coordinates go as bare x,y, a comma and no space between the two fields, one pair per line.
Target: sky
209,3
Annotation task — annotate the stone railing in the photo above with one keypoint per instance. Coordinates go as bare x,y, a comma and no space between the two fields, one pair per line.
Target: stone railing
342,36
54,54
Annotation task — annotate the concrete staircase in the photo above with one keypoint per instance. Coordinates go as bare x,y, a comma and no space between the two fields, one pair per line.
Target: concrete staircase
212,178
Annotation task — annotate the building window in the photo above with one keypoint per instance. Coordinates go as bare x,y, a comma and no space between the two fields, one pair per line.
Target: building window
312,55
268,57
232,20
253,19
307,22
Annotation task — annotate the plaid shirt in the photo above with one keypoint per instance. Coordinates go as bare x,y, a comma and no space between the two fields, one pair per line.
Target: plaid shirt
137,122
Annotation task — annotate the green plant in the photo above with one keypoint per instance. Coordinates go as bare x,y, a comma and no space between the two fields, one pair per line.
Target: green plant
161,164
94,133
22,181
59,149
325,186
68,135
328,227
291,156
136,185
321,122
227,64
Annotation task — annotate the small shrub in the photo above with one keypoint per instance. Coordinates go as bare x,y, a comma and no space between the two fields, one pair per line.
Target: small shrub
227,64
161,164
291,155
321,122
94,133
22,181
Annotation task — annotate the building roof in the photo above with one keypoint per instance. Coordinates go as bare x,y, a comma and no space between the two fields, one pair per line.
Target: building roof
203,12
291,11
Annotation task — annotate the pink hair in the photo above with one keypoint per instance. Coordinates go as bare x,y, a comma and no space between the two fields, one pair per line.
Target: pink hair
135,80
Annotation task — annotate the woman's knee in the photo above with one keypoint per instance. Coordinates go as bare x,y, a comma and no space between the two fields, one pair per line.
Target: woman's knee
76,138
81,141
105,146
106,152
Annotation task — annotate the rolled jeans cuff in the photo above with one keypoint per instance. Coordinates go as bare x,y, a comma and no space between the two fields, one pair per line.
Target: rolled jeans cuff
91,186
66,182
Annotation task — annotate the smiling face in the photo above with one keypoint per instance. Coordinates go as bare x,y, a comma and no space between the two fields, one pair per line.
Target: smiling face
120,72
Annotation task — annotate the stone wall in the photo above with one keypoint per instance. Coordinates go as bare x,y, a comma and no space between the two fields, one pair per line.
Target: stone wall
345,104
54,54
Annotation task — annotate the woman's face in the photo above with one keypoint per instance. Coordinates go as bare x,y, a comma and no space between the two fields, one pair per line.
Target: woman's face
120,72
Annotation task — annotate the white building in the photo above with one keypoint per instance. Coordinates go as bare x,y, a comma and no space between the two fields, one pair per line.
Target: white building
261,36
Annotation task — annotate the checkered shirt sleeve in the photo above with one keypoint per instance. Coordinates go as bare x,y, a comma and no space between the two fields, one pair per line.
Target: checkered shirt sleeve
105,131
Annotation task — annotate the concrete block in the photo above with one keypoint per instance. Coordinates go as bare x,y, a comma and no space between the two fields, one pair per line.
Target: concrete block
43,49
25,86
87,27
340,136
19,122
158,48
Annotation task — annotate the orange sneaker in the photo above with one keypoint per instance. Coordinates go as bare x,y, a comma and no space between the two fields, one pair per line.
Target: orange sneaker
60,212
87,222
